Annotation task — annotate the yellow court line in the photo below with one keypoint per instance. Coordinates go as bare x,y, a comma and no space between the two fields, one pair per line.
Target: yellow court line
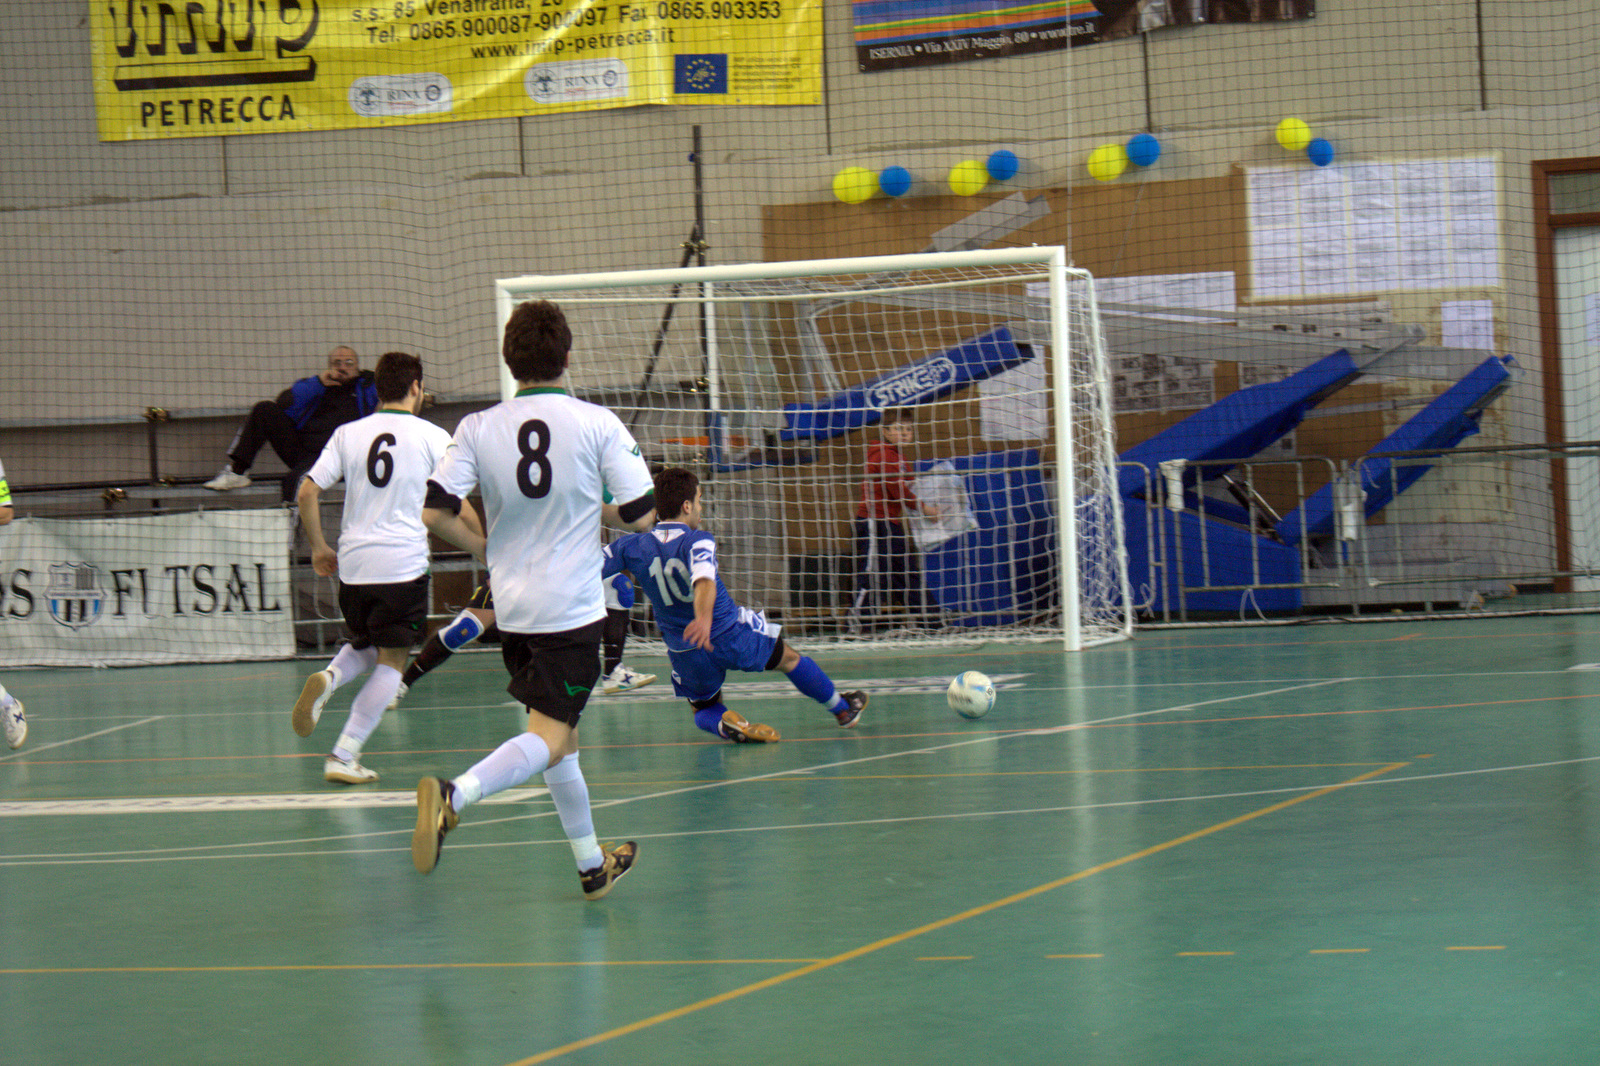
1339,951
942,923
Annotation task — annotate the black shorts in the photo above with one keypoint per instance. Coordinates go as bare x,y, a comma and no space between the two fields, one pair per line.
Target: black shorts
386,616
482,599
554,673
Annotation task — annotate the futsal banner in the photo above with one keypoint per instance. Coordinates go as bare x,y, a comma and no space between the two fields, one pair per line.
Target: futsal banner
211,68
916,33
201,587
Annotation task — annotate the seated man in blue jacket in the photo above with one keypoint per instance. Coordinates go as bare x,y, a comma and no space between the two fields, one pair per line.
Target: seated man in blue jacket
300,421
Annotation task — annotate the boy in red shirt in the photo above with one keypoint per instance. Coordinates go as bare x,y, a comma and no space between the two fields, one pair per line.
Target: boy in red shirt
886,563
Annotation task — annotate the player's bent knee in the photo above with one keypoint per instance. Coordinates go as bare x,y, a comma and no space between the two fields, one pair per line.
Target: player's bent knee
784,657
463,630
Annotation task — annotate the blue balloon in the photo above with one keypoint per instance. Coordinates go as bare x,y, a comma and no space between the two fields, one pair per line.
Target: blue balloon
1143,150
1319,151
1003,165
895,181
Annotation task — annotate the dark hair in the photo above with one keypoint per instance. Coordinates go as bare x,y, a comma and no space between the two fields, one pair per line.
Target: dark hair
537,341
675,487
895,416
396,371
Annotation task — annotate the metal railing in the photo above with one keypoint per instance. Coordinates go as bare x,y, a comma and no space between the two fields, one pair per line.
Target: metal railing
1449,530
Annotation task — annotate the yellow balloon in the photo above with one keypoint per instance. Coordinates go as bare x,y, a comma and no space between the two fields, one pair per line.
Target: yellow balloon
968,177
1294,134
1107,162
854,184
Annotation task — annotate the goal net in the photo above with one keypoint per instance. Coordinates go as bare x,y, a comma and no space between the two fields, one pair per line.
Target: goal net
914,449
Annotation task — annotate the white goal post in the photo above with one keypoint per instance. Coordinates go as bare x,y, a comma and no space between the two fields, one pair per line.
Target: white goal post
887,449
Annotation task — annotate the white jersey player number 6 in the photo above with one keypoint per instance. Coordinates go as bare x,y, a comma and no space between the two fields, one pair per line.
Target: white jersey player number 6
380,464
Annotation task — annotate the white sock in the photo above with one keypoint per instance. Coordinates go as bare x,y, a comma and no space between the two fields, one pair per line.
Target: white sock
510,764
350,664
570,793
6,698
366,711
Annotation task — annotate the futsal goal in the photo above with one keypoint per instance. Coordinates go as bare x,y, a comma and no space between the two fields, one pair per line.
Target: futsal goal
914,449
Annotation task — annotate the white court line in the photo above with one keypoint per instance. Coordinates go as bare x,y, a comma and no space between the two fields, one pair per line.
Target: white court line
988,738
193,804
279,801
163,854
1050,730
749,690
35,749
273,712
770,690
138,857
985,739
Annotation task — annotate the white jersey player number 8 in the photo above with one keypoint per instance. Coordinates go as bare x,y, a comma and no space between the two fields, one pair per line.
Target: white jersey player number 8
534,457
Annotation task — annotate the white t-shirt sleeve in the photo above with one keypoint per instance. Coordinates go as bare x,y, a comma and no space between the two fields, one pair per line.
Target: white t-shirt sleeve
626,474
457,472
329,467
438,442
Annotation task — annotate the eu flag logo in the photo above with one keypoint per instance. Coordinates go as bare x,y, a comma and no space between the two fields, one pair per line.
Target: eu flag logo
700,73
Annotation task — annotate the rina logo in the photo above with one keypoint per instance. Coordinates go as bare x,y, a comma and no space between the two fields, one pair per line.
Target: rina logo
216,44
76,594
389,95
576,81
915,383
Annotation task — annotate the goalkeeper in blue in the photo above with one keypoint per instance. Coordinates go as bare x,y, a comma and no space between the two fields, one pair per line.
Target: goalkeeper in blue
706,632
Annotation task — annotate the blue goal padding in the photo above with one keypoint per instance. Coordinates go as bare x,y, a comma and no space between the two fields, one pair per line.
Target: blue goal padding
928,379
1451,418
1237,426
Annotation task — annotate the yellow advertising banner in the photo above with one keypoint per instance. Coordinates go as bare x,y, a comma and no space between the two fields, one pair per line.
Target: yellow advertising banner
211,68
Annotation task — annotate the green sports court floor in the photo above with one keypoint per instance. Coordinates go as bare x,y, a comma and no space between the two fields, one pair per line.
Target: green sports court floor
1356,843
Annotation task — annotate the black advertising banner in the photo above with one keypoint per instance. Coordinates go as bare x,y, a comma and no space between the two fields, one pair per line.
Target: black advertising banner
912,33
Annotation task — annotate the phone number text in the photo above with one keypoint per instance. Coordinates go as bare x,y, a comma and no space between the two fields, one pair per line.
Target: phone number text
551,18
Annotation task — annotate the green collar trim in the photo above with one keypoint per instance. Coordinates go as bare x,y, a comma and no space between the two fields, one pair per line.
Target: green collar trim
534,390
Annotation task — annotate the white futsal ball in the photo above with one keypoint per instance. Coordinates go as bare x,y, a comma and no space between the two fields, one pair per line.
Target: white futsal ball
971,694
